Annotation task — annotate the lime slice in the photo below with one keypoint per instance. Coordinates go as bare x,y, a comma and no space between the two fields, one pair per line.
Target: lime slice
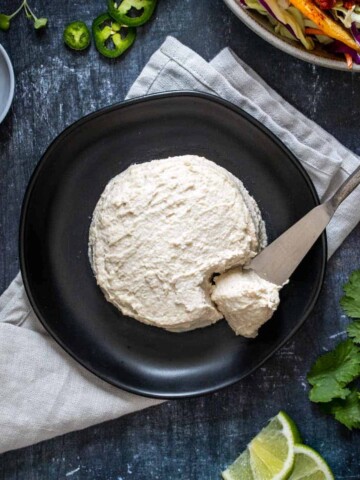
240,469
270,455
309,465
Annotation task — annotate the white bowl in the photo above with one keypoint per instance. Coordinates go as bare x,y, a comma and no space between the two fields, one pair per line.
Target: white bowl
7,83
260,25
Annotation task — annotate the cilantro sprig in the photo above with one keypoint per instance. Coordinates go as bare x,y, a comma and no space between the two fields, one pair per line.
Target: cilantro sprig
350,302
353,331
5,20
346,411
333,375
333,371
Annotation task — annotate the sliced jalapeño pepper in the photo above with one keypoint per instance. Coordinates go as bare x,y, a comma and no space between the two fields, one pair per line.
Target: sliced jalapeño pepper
112,38
77,36
131,12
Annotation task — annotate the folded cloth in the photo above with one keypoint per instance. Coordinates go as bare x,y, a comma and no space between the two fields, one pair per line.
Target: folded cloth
44,392
328,162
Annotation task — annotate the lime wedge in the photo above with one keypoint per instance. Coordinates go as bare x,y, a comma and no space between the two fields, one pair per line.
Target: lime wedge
240,469
309,465
270,455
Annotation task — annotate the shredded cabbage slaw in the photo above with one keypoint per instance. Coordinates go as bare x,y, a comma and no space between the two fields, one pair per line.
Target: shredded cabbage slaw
289,22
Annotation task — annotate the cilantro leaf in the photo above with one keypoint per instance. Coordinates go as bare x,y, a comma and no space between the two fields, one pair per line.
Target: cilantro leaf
333,371
346,411
353,331
40,23
327,389
350,302
4,22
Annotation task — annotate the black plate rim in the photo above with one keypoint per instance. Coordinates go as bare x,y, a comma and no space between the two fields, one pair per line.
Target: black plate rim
118,106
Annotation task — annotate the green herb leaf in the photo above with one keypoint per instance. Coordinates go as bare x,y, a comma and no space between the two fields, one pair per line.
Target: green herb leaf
40,23
4,22
346,411
333,371
353,331
350,302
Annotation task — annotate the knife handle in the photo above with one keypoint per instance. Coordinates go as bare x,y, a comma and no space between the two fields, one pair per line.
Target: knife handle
345,189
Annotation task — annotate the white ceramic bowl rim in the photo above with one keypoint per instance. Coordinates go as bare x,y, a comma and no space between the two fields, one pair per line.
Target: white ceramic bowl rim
281,44
6,108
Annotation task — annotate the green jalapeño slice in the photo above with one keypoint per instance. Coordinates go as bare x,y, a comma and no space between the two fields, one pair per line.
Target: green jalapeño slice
131,12
112,38
77,36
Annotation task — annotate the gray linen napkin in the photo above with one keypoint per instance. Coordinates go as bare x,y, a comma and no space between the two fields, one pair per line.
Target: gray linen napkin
44,393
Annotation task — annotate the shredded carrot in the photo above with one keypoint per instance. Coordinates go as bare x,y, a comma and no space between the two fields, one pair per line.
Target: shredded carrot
313,31
324,22
349,60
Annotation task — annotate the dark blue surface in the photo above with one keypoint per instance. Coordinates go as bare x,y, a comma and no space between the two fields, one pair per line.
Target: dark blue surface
191,439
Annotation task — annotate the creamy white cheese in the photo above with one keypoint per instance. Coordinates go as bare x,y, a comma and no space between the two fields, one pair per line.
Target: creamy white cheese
246,300
162,229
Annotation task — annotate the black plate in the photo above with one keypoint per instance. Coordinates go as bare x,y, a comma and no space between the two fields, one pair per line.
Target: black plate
56,215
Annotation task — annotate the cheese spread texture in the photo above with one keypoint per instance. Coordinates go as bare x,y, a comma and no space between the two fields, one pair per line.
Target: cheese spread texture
246,300
159,233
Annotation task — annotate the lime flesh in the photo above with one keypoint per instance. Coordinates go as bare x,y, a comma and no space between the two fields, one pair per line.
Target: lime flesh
309,465
270,455
240,468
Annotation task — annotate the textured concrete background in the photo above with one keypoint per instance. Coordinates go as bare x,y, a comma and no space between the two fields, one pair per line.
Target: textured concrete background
192,439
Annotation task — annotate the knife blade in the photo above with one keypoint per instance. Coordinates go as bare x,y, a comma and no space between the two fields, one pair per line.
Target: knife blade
279,260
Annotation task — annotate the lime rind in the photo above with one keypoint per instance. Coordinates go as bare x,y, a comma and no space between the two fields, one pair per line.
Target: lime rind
277,454
270,455
309,465
293,427
272,450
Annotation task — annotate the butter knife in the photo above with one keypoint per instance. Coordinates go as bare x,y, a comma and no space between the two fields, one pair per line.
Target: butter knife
278,261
